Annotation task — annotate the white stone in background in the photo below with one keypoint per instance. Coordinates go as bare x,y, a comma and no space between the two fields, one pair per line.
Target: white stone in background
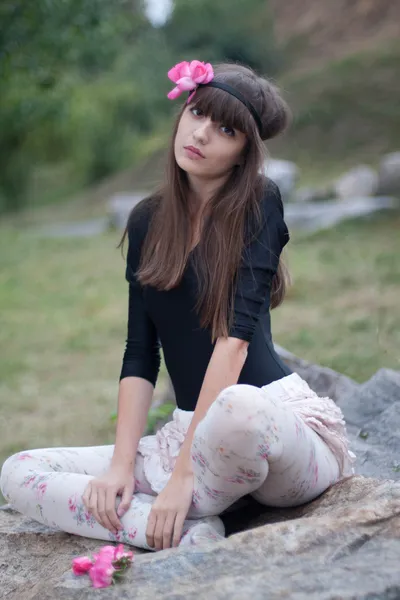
389,174
120,205
284,173
313,216
360,181
310,194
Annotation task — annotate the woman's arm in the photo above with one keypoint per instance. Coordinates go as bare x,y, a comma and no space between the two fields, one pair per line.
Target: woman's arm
223,370
169,511
134,400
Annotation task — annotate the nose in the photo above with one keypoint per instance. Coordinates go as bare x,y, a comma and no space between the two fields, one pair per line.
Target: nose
202,131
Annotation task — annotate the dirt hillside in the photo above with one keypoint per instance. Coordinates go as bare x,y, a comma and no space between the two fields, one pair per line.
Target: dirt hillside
320,30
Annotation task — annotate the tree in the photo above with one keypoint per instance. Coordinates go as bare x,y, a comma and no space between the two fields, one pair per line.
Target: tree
221,30
44,46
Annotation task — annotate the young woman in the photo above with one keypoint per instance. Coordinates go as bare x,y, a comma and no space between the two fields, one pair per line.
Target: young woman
204,269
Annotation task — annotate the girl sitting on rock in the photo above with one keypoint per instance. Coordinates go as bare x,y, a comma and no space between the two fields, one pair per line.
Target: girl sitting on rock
204,270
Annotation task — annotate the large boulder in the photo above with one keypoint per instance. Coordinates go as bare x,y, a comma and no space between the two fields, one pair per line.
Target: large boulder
346,544
313,216
389,174
359,181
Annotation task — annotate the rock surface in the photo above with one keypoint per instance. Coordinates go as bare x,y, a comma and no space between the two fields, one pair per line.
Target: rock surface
346,544
371,410
389,174
313,216
343,545
359,181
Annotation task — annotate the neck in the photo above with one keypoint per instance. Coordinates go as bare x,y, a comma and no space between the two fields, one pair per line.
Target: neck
204,189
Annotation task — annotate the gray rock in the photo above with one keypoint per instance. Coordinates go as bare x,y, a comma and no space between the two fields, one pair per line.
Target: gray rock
310,194
389,174
359,181
343,545
313,216
284,173
324,381
346,544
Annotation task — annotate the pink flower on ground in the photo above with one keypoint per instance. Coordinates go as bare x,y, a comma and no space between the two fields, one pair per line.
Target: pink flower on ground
105,553
120,553
106,566
187,76
102,572
81,565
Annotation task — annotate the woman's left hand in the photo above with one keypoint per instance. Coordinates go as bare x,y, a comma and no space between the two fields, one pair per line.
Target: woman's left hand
169,511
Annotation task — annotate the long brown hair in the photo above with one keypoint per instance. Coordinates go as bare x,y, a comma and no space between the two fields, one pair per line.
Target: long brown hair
167,245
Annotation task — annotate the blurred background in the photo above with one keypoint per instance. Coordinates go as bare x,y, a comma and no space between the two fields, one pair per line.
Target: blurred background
84,123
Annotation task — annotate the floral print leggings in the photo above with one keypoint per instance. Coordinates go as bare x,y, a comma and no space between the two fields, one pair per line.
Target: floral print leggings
248,443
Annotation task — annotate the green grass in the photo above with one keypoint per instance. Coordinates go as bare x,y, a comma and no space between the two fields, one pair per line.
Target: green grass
63,307
343,309
63,310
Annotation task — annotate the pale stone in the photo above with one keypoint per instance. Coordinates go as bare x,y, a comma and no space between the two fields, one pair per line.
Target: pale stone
389,174
359,181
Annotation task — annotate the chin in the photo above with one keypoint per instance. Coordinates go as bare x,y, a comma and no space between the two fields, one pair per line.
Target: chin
190,166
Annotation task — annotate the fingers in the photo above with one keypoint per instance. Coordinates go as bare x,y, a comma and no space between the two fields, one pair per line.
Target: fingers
162,529
168,530
159,531
125,500
101,504
110,505
151,526
178,528
86,495
92,505
101,508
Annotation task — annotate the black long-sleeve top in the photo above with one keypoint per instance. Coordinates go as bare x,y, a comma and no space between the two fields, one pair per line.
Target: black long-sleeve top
168,319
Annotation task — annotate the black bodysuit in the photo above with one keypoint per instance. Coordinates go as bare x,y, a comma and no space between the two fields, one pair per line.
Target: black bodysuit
168,319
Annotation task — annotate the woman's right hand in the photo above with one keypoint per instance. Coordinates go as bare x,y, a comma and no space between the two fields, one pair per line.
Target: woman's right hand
100,496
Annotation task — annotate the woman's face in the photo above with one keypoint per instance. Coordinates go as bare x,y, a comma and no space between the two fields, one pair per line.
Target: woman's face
204,148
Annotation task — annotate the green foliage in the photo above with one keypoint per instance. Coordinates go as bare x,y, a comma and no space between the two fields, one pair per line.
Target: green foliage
85,80
225,30
46,49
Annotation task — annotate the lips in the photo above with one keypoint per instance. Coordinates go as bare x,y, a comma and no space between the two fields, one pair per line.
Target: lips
194,150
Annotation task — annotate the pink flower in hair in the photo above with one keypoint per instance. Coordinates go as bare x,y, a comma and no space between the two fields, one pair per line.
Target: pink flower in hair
187,76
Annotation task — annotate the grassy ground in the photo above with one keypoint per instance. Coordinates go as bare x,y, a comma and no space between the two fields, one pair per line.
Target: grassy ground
63,318
343,309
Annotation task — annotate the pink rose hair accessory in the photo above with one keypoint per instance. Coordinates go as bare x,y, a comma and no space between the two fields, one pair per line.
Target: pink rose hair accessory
188,76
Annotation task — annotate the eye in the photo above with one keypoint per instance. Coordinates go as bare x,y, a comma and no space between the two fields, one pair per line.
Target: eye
228,130
196,112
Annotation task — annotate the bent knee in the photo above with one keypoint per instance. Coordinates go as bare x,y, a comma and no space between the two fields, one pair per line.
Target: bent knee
243,400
